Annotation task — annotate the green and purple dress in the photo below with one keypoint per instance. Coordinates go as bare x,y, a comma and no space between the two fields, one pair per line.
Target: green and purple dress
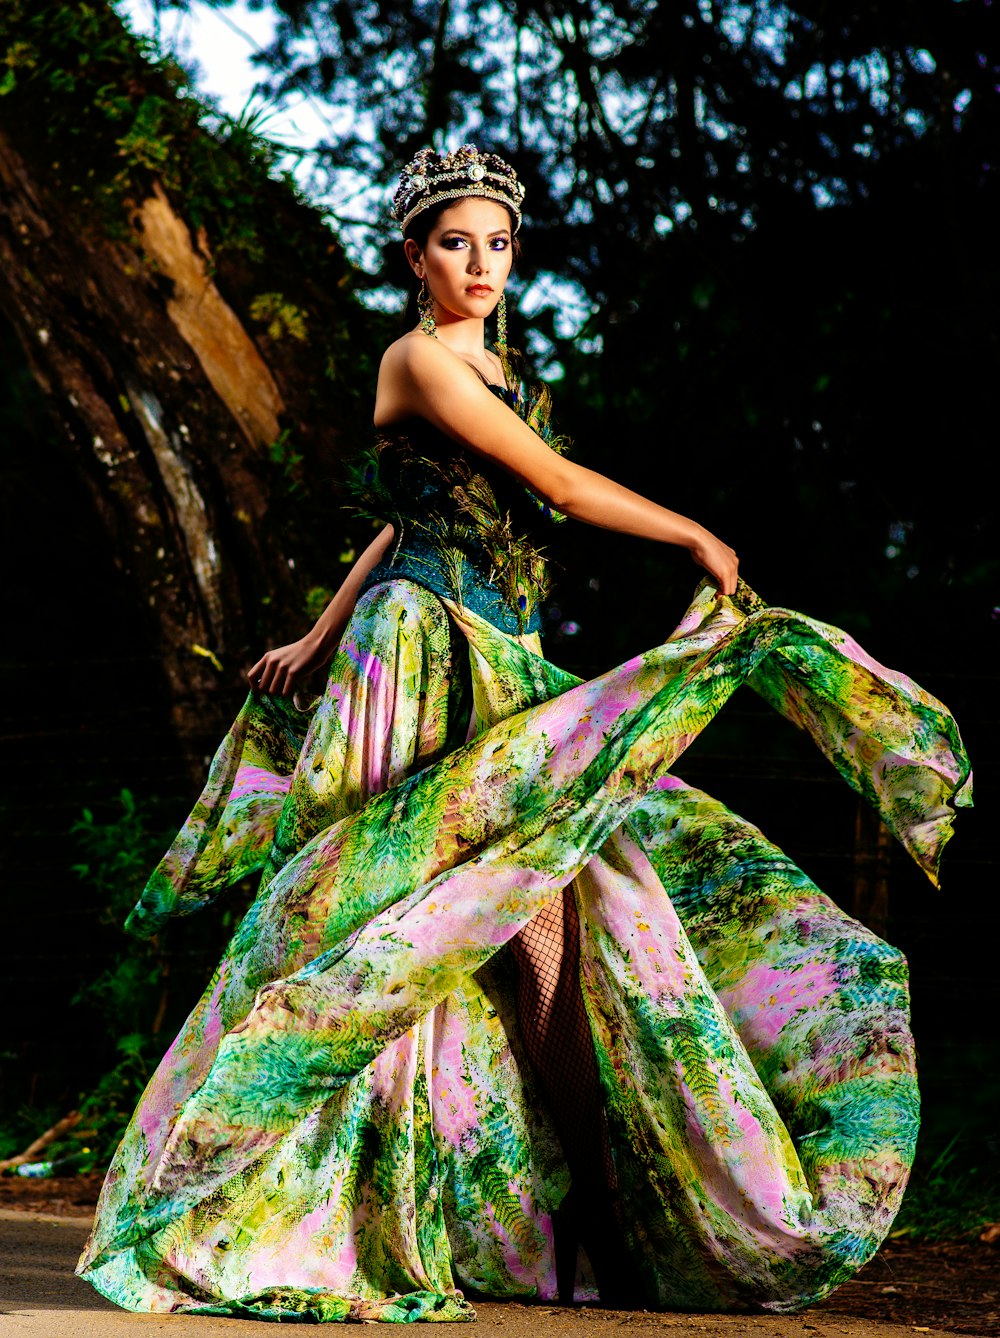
345,1127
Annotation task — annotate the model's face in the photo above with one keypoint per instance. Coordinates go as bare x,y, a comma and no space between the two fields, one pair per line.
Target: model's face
466,260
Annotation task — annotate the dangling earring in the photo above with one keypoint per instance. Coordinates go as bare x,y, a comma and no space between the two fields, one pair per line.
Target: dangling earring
425,305
502,321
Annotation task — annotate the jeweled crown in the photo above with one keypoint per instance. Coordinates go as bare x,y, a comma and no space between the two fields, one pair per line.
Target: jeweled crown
432,177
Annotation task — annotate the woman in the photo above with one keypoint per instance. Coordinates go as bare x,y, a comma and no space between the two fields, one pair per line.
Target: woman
464,1029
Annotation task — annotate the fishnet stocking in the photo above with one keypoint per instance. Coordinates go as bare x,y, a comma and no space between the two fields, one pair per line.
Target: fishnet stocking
556,1036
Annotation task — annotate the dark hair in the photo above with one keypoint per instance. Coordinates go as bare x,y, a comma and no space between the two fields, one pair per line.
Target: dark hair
419,229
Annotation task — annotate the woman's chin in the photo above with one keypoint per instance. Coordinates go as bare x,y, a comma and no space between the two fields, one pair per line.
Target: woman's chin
476,310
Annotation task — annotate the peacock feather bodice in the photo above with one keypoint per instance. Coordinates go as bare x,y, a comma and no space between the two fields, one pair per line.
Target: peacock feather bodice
464,527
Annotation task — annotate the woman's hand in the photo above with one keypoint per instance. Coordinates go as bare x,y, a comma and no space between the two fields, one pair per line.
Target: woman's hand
280,670
718,559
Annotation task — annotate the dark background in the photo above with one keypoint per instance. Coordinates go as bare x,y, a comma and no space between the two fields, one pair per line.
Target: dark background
816,384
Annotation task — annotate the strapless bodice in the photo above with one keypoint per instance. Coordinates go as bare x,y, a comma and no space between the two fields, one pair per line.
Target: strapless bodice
464,527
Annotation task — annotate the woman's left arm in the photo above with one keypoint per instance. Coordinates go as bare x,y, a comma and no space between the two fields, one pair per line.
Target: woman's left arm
280,670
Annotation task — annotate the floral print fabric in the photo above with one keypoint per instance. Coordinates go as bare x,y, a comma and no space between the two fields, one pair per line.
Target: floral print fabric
345,1126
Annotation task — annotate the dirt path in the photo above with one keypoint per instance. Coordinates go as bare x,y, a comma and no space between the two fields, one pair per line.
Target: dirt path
907,1289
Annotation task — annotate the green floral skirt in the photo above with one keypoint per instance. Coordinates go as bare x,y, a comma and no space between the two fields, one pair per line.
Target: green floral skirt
345,1127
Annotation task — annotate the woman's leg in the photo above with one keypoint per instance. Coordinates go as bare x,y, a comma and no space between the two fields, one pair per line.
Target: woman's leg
555,1032
556,1036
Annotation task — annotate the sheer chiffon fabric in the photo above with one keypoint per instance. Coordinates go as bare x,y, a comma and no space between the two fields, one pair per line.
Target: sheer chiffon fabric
346,1126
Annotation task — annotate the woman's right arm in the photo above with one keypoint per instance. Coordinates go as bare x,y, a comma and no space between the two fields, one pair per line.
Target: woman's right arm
280,670
421,377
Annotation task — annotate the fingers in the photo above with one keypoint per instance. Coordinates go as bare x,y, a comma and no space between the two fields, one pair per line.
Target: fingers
272,674
731,578
727,569
722,564
719,560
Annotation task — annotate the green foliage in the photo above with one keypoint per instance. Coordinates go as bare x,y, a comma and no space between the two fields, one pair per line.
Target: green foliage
104,1112
147,143
282,453
130,999
107,1108
58,54
281,316
953,1193
954,1190
317,598
127,999
130,995
118,854
109,114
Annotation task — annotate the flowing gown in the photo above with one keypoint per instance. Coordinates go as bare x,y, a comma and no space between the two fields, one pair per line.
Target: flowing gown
346,1126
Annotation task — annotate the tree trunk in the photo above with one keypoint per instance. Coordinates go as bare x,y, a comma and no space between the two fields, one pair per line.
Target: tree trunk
180,420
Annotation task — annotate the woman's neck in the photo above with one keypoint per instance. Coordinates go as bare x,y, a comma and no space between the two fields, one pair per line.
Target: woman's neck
464,336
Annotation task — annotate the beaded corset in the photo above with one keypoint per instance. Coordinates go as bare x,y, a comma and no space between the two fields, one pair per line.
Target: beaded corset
464,527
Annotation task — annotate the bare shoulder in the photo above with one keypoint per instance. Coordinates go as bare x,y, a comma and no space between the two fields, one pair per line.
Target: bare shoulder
416,365
423,378
404,365
412,354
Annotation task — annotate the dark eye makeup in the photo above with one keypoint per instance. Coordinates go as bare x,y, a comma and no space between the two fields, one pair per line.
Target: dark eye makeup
499,243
